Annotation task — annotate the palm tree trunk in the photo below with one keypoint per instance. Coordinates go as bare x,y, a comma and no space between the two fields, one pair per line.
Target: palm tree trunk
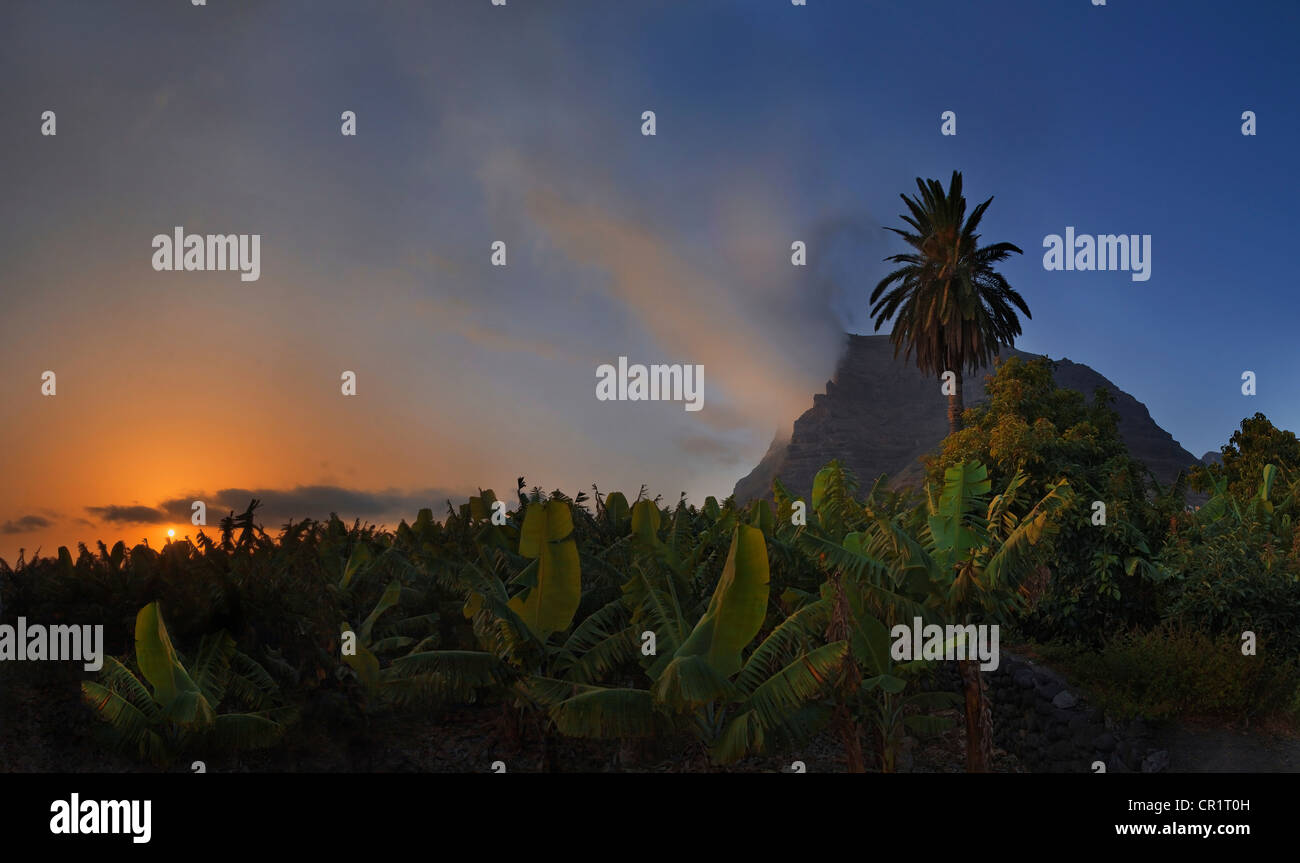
979,718
955,404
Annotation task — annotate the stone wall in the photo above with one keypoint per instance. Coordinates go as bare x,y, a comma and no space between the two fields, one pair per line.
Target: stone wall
1040,718
1051,728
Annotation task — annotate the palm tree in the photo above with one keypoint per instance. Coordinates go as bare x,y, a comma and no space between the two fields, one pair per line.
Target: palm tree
951,307
948,303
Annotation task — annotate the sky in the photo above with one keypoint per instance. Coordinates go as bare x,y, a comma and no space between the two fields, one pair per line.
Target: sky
523,124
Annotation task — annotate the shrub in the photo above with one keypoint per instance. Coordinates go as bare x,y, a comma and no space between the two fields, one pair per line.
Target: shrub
1173,671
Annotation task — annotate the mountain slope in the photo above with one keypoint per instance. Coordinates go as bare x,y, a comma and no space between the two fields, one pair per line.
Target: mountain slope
880,415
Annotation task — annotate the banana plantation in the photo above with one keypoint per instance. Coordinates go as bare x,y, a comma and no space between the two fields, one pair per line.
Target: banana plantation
708,635
556,633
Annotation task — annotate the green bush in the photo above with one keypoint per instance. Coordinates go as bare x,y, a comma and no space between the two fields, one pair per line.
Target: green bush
1172,671
1236,576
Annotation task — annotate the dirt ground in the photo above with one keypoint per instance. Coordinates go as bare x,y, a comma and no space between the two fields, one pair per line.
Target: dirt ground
1198,748
46,729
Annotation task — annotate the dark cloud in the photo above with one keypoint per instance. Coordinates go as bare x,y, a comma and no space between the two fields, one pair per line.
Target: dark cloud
26,524
312,501
135,514
851,247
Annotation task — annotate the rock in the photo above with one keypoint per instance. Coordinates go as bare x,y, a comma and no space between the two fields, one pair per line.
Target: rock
1048,689
1024,678
1104,742
1064,700
1156,762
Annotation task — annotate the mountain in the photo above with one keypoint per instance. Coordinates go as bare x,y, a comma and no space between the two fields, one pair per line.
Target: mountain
880,415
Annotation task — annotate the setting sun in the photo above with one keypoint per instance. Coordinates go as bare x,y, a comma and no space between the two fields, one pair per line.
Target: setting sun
170,533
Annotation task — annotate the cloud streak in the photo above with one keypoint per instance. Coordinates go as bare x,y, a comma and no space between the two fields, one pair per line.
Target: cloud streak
280,505
132,514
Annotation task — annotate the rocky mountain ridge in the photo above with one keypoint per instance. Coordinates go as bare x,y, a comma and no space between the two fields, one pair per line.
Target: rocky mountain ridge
880,415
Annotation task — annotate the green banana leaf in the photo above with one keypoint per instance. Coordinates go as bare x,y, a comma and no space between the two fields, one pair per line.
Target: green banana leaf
547,535
616,508
738,606
645,521
174,689
390,597
950,525
364,663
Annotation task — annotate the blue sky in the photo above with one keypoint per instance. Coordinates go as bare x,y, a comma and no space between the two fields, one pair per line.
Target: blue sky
522,123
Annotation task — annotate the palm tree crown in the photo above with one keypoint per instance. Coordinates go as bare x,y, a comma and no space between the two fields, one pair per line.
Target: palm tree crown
948,303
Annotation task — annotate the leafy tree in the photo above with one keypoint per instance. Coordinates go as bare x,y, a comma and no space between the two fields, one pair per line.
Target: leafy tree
1257,443
1102,575
1234,565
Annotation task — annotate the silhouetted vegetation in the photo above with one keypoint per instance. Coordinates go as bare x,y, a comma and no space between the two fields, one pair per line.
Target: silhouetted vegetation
717,632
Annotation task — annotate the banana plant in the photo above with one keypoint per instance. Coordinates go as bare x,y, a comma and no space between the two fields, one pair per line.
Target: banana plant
979,552
553,589
872,565
361,652
516,633
884,701
959,559
701,682
171,710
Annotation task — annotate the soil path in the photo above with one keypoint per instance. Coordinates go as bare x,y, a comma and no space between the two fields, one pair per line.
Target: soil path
1227,751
